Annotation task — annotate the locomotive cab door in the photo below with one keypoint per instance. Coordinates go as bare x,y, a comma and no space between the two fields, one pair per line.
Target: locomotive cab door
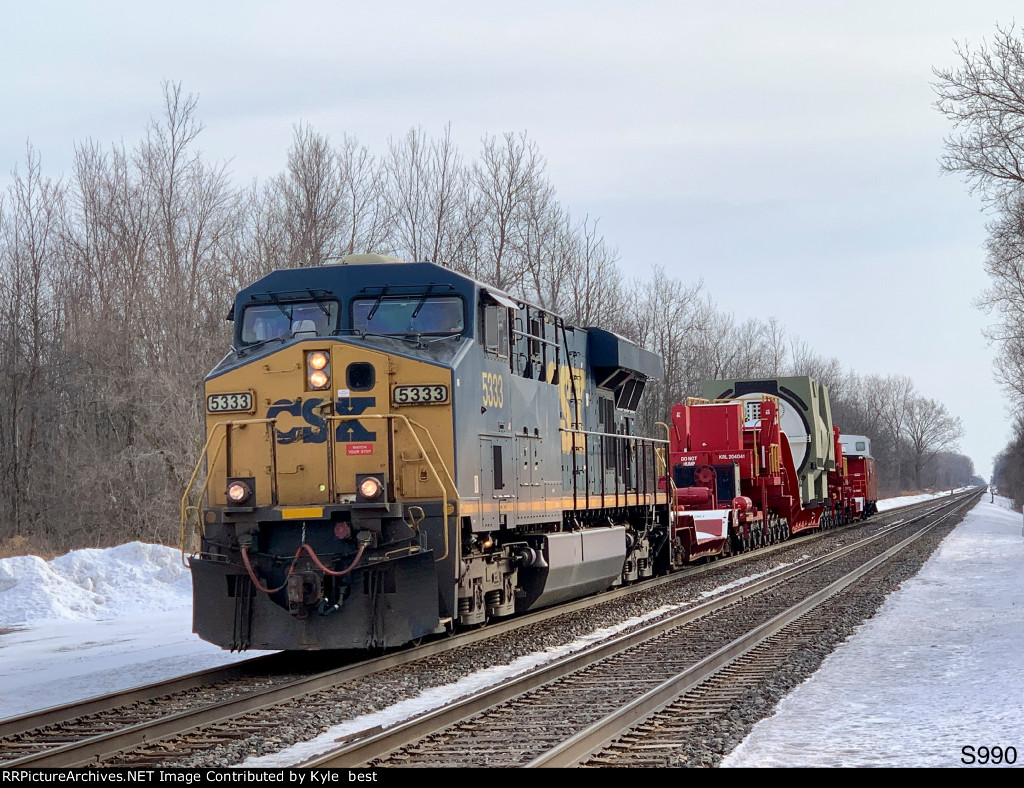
488,504
497,492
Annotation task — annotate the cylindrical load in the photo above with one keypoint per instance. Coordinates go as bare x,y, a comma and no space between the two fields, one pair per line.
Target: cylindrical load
742,503
693,496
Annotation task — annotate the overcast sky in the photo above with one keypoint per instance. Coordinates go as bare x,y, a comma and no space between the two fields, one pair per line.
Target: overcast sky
785,153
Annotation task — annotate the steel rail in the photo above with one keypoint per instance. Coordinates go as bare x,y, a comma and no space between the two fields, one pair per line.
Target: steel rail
593,738
362,747
56,715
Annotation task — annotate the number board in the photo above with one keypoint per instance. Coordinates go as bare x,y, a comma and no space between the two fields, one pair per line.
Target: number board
227,403
419,395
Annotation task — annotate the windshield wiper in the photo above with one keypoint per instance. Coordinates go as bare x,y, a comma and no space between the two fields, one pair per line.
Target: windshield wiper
422,301
319,303
245,349
376,303
273,299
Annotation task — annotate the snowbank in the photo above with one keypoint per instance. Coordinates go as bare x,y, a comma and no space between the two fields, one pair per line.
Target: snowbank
93,584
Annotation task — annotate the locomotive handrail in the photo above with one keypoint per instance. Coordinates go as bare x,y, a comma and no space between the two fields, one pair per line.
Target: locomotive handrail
656,443
185,508
670,485
437,477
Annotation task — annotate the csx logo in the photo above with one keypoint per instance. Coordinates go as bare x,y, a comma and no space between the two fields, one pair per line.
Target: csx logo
347,431
494,390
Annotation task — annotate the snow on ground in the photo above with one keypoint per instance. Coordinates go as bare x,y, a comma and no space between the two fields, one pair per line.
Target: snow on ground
98,621
906,500
87,585
95,621
940,666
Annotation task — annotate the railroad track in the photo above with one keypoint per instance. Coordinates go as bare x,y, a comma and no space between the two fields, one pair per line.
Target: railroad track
157,723
630,701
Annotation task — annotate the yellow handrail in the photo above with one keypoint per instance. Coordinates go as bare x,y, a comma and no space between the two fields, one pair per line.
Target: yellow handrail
185,508
670,485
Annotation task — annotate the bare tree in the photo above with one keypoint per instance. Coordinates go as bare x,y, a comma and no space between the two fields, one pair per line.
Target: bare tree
983,97
507,178
665,315
1004,298
313,198
1008,465
930,429
427,197
362,180
30,318
590,289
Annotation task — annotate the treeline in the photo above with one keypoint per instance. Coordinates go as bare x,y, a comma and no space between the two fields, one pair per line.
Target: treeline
983,98
116,280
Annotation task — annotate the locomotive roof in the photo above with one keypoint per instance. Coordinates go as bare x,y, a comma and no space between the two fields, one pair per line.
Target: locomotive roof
359,279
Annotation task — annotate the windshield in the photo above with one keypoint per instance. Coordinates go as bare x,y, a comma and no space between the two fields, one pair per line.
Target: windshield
408,315
284,319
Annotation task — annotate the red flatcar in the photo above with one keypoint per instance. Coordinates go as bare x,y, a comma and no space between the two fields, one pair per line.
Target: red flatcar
735,484
860,472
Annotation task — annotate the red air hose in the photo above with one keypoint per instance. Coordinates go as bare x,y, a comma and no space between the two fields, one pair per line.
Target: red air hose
291,569
255,580
324,569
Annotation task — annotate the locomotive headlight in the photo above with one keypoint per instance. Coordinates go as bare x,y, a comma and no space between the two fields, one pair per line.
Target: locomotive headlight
369,487
238,492
318,370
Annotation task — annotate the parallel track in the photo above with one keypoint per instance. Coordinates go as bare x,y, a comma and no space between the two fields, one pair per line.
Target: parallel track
103,730
576,705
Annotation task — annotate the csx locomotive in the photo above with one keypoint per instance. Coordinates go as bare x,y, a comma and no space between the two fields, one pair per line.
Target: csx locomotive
396,450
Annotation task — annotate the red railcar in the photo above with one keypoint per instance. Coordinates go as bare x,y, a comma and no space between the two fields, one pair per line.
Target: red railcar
860,472
735,486
844,504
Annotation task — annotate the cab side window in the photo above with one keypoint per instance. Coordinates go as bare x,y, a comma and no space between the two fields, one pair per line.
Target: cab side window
495,330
